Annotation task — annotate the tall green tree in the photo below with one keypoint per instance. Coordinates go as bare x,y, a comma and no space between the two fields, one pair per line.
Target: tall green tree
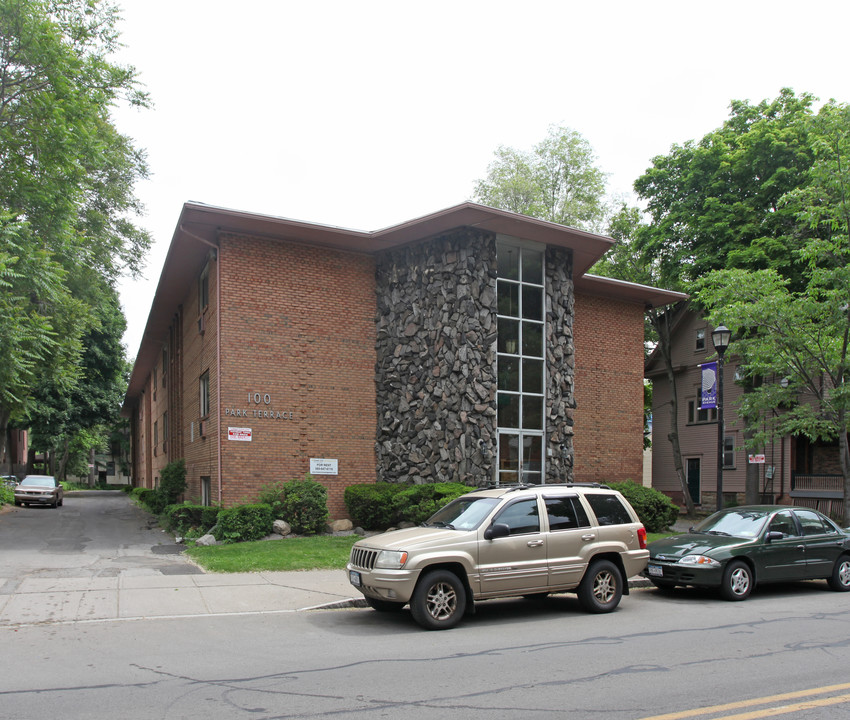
801,335
67,179
557,181
720,203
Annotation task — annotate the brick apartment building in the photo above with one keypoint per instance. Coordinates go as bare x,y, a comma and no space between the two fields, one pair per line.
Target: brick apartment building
468,345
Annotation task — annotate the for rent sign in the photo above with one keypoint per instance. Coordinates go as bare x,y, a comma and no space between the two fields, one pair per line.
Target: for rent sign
242,434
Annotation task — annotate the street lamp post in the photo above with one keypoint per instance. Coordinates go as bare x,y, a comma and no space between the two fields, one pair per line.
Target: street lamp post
720,336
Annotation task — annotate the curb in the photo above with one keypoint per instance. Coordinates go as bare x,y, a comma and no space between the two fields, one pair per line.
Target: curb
635,583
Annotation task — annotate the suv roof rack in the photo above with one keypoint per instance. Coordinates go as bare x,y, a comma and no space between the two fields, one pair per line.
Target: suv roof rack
513,487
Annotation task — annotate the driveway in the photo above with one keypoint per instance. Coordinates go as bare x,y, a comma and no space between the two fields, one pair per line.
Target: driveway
95,534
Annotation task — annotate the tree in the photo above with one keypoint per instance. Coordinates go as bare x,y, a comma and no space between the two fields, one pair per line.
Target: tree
67,181
720,203
79,417
557,181
801,336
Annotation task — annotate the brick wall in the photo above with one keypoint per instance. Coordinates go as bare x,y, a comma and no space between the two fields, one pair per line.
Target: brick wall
608,390
297,366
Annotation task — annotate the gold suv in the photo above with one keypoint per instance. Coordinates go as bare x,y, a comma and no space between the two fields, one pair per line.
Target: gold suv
501,542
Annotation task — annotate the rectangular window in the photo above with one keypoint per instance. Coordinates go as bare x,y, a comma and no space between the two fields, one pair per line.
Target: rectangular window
204,289
521,392
204,388
155,433
206,491
700,339
696,414
164,365
165,432
729,451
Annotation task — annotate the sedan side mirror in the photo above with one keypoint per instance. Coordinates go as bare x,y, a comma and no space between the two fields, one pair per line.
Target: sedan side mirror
773,535
497,530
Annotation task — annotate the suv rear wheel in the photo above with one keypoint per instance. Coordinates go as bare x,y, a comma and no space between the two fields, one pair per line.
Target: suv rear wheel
601,587
439,601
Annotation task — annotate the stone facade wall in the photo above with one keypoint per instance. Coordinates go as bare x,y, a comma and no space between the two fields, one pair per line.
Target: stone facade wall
436,360
436,370
560,365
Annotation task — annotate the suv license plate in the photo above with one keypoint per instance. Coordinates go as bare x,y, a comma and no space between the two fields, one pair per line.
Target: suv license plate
354,578
655,570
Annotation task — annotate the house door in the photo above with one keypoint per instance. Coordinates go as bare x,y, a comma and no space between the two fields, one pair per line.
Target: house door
693,471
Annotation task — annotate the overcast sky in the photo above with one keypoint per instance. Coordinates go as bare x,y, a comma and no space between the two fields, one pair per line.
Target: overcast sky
367,114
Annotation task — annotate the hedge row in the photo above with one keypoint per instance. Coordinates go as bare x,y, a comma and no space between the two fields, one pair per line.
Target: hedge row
656,511
383,505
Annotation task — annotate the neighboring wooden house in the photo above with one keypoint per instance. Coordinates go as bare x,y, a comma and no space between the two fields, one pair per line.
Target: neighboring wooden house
793,470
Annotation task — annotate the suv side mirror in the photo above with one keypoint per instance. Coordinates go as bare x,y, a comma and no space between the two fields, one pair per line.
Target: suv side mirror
497,530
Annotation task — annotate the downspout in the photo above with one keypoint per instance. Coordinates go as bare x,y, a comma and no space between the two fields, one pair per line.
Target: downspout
217,250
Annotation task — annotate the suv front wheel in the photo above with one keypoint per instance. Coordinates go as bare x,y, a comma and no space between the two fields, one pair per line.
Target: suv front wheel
439,601
601,588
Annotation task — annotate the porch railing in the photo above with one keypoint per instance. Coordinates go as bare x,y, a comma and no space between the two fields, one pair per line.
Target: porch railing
821,492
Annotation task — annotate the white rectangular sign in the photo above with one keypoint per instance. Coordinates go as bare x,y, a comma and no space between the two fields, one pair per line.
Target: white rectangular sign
324,466
239,433
756,459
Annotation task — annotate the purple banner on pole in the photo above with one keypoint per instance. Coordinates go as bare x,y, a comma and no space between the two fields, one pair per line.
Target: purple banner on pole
708,396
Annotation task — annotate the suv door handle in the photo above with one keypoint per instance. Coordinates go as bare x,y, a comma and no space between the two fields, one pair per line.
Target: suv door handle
535,543
588,537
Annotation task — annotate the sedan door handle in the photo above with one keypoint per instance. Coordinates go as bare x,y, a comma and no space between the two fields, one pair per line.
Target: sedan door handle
535,543
588,537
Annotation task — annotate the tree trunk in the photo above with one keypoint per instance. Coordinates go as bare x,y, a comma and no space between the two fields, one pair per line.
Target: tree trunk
4,434
661,322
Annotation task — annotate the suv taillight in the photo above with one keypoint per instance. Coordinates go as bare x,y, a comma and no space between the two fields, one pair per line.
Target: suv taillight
642,537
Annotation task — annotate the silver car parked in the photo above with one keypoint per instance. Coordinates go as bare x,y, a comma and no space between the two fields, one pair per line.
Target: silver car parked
39,490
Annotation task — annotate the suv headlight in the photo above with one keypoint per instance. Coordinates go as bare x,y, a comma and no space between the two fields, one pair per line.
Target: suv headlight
391,559
699,560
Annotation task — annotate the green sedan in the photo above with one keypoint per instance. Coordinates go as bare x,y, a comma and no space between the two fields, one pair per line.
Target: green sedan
737,548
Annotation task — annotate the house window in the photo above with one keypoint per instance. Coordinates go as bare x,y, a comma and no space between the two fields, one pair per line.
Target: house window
204,388
155,375
165,432
700,339
697,414
729,451
520,364
155,434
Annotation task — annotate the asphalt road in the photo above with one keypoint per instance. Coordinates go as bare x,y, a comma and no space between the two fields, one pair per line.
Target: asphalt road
514,659
782,653
94,534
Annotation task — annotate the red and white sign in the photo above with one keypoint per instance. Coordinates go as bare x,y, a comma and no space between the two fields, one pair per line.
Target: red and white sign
241,434
756,459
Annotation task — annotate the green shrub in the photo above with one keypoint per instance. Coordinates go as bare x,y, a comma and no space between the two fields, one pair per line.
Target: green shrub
371,505
656,511
304,505
172,482
243,523
147,497
416,503
7,495
181,519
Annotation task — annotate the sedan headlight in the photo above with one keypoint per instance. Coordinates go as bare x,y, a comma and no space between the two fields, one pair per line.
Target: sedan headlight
391,559
699,560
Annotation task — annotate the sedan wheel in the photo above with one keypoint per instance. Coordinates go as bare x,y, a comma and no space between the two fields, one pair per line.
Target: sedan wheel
737,581
439,601
840,579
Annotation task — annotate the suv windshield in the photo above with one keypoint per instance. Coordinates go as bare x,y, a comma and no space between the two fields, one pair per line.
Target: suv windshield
465,513
736,523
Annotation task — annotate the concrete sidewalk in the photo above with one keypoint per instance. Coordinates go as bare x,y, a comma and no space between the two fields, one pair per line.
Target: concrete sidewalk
39,600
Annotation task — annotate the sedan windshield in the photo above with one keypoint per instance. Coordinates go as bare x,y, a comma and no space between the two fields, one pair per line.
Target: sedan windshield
38,481
463,513
735,523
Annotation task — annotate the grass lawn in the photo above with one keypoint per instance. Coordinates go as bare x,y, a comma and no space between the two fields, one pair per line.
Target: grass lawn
322,552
